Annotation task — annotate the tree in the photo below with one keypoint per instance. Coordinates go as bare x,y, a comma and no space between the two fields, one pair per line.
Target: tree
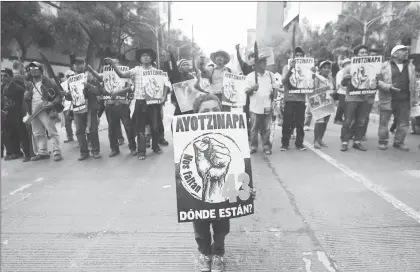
25,23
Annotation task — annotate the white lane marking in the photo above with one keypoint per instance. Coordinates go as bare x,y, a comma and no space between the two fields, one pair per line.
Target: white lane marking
20,189
368,184
307,264
39,179
414,173
5,242
166,186
25,196
322,257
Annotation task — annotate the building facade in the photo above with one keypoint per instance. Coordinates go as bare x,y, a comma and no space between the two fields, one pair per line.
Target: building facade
270,17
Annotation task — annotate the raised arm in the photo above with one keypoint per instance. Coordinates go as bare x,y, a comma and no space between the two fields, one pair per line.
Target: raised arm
116,69
94,73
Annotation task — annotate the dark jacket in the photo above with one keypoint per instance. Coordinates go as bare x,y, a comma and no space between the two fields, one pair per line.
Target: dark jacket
12,99
245,67
50,92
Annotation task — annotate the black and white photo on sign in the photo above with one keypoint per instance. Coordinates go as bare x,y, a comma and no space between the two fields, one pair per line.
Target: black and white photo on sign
234,89
112,82
364,71
301,79
153,84
186,94
321,103
76,88
212,161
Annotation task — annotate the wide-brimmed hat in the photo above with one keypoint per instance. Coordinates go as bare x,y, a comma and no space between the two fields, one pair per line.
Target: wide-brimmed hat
260,57
345,61
148,51
398,47
322,63
222,53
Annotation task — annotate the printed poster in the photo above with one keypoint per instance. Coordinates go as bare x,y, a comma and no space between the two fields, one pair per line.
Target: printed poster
112,82
321,103
363,75
234,90
186,93
212,166
153,85
268,51
301,80
76,86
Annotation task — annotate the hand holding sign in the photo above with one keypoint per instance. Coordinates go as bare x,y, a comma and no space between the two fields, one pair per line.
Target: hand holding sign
212,160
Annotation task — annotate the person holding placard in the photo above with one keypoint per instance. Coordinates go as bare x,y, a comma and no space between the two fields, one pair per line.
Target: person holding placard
145,113
84,92
323,81
260,106
341,91
398,93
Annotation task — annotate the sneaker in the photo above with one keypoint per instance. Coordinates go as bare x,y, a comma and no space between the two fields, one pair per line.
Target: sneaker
204,263
301,148
383,147
157,150
163,142
26,158
57,157
344,147
83,157
359,146
401,147
267,152
114,153
141,156
68,140
284,148
133,153
322,144
217,264
96,156
40,157
317,145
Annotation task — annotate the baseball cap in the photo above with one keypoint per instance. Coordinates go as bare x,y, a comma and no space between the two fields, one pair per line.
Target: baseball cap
398,47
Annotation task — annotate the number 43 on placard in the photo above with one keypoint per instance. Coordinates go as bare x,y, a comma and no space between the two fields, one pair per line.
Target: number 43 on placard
229,189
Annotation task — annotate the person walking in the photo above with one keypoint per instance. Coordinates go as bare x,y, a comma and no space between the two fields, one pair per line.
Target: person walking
341,92
398,93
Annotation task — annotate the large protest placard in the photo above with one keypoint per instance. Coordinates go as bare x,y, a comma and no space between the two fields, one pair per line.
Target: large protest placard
363,75
234,90
301,80
153,83
212,166
186,93
112,82
321,103
76,88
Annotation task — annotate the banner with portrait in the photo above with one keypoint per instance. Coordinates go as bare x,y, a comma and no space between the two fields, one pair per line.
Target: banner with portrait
186,93
234,90
301,80
321,103
76,88
153,83
112,82
363,75
212,166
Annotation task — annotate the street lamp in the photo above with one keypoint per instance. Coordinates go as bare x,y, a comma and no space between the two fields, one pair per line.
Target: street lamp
367,24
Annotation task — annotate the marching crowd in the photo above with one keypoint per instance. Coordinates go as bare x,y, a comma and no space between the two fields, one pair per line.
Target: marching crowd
32,103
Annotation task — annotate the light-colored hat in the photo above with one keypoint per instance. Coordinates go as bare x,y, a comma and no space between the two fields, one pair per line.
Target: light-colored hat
398,47
345,61
260,57
224,54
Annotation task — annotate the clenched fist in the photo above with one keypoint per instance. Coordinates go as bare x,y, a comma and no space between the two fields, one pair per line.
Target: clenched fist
212,159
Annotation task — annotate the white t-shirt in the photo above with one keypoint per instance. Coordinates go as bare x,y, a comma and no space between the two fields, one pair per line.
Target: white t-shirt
261,100
37,96
400,67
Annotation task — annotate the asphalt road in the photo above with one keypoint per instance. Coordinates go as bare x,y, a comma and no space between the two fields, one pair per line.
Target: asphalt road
315,211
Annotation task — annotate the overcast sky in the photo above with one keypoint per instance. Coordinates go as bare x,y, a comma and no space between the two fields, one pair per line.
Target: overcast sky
221,25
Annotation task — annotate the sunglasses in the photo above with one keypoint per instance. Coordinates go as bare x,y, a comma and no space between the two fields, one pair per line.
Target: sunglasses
34,68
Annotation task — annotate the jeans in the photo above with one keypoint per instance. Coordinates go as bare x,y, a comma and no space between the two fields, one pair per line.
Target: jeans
68,124
15,134
356,111
116,114
320,128
401,111
339,114
143,115
87,120
203,236
260,123
294,113
40,125
365,125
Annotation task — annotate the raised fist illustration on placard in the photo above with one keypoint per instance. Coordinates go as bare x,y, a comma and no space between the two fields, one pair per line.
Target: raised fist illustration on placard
212,159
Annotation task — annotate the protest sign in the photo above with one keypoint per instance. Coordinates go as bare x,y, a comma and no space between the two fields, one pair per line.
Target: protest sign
212,166
268,51
76,88
234,90
112,82
363,75
153,83
321,103
186,93
301,79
